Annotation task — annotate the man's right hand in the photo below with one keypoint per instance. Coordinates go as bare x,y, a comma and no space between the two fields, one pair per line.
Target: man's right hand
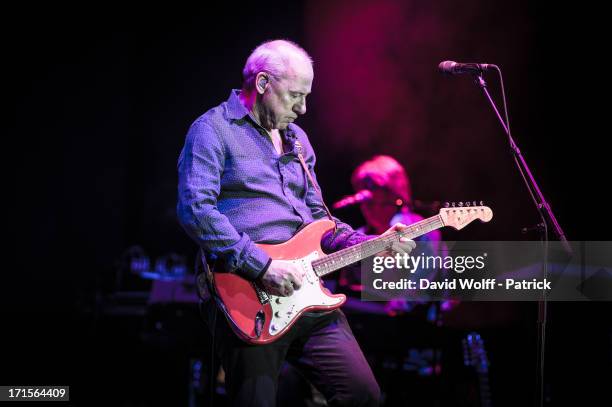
282,278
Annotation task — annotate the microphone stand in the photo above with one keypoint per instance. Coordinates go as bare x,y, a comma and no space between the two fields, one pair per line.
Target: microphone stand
548,218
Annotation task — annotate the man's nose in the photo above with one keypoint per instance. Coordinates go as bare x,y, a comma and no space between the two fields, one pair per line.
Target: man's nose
300,107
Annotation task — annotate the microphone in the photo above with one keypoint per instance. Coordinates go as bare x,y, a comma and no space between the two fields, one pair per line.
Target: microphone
457,68
361,196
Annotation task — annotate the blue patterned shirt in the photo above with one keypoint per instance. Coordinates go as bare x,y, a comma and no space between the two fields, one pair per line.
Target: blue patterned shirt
235,190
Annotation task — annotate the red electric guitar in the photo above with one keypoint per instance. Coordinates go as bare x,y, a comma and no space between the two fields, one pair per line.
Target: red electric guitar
259,318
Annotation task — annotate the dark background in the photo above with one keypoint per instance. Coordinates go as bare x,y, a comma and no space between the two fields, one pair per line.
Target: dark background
103,98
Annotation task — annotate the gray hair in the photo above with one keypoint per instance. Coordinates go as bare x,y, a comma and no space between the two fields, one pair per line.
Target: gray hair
272,57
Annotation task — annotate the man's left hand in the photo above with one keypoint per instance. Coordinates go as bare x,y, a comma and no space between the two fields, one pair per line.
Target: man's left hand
403,245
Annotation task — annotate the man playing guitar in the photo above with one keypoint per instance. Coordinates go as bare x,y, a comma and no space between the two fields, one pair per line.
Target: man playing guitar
245,177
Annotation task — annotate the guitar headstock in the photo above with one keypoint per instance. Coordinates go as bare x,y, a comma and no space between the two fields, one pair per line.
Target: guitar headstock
459,215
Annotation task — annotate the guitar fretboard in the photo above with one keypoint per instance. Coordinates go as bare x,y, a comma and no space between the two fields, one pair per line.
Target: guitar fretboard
353,254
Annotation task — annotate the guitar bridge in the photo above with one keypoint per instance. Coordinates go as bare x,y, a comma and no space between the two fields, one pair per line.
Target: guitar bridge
262,296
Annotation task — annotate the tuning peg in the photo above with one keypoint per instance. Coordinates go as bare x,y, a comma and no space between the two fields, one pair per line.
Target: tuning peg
474,203
453,204
446,204
481,203
467,203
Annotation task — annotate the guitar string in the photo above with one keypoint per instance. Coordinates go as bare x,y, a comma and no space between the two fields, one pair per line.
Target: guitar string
374,245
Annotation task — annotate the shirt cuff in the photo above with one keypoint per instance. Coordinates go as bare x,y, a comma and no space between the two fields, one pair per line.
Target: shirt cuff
254,264
263,271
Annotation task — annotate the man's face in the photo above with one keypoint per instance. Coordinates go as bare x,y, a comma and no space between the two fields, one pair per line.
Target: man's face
285,98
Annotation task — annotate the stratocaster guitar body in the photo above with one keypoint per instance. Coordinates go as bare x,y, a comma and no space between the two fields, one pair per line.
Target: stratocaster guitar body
260,318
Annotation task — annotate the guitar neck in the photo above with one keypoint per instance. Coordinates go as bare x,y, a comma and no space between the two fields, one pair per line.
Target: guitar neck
353,254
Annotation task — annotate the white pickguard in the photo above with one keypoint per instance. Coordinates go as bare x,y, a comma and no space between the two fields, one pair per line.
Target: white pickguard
285,309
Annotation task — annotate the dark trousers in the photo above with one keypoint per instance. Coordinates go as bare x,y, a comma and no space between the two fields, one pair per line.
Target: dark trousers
322,348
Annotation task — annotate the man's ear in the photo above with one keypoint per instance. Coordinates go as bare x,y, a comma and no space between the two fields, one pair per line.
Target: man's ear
261,82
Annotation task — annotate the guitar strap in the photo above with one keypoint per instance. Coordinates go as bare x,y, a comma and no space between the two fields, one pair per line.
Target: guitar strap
299,148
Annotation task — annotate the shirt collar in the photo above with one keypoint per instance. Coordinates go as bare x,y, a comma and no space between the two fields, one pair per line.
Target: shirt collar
235,109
